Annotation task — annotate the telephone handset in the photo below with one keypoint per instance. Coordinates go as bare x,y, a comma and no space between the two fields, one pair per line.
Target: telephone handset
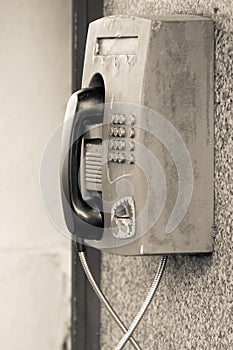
84,220
82,165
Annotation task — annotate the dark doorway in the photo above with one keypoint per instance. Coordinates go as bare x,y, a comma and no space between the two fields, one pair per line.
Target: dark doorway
85,322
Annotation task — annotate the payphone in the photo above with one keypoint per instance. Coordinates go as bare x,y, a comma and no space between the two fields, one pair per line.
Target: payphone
137,162
137,165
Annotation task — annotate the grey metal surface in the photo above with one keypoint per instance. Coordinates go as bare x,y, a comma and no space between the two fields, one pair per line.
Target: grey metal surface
170,70
193,307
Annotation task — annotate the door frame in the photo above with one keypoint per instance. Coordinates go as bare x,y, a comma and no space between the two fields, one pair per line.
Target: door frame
85,307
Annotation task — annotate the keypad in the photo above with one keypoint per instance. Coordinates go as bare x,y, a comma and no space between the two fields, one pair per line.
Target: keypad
121,132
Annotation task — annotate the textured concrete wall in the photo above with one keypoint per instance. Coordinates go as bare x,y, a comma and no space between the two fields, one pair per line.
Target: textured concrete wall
193,306
35,71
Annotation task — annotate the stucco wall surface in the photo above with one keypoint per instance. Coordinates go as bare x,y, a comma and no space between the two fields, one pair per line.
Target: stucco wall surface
193,306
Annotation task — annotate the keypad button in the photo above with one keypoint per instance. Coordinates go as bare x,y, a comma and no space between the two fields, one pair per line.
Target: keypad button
115,131
121,132
111,144
121,157
114,157
131,132
122,119
131,158
131,146
121,145
111,131
114,118
115,144
132,119
110,157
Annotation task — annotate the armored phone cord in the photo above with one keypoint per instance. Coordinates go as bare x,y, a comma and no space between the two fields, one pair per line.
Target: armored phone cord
127,332
100,295
145,304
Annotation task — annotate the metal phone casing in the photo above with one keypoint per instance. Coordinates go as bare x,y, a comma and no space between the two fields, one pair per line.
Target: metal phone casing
164,63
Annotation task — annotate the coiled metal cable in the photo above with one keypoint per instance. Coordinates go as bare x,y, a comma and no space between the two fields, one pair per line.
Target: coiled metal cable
103,299
145,305
128,333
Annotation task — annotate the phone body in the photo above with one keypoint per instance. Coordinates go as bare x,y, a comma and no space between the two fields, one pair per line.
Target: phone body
137,175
